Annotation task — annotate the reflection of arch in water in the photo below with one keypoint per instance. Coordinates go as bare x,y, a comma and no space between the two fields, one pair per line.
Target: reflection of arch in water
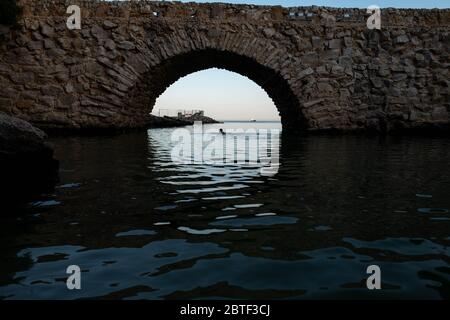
162,75
248,148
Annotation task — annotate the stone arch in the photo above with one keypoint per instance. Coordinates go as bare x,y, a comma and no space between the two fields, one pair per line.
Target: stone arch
160,76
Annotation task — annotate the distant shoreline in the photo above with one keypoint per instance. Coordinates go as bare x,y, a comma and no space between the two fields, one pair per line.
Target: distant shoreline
248,121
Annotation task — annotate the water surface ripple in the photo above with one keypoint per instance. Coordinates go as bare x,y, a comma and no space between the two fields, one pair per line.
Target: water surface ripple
142,227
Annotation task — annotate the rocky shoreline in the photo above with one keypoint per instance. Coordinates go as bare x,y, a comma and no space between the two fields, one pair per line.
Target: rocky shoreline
168,122
152,122
204,119
27,165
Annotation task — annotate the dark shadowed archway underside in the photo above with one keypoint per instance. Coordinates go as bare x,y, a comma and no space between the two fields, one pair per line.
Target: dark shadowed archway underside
158,79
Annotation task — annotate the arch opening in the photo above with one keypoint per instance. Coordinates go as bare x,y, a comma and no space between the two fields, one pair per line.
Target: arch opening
160,77
220,94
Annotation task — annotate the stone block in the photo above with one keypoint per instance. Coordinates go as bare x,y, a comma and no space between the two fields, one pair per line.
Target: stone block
305,73
402,39
126,45
335,44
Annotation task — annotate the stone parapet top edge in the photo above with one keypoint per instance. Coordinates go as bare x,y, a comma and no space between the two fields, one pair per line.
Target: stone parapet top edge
205,8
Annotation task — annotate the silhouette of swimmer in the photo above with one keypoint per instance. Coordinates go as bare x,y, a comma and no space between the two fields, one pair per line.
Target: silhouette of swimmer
221,131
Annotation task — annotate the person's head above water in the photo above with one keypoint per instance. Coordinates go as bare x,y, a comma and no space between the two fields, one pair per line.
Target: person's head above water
221,131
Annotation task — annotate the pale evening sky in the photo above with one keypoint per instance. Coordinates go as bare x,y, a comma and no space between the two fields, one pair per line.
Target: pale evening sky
226,95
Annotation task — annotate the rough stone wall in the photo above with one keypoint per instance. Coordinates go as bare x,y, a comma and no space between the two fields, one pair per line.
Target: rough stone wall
322,67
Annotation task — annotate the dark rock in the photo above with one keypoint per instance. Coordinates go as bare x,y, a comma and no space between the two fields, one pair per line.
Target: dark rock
167,122
27,166
198,117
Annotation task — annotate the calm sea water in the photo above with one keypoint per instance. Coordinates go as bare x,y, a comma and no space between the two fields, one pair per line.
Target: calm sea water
143,227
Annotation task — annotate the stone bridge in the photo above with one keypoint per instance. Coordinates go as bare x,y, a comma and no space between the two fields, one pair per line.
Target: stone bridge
323,68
